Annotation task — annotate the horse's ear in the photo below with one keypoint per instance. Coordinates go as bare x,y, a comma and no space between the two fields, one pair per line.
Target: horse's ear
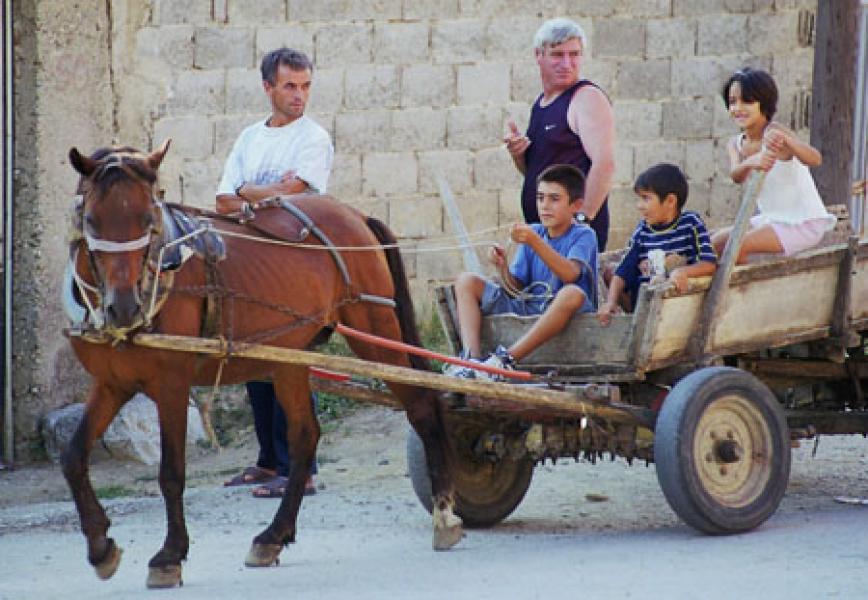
82,164
156,157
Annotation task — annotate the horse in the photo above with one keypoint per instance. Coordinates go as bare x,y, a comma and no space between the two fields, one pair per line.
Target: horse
292,296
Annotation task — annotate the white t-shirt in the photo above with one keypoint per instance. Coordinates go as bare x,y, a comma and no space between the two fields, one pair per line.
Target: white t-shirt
262,154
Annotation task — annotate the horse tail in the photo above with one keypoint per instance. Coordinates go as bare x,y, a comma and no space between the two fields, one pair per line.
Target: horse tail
403,302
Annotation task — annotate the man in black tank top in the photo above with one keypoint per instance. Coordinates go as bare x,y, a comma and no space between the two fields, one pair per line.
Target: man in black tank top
570,123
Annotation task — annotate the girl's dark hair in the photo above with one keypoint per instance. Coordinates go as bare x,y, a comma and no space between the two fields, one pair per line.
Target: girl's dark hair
663,179
568,176
756,86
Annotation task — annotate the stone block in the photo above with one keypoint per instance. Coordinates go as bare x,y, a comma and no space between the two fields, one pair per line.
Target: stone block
687,119
371,86
363,131
428,85
374,207
721,162
508,209
172,12
134,434
430,9
244,92
703,75
710,7
638,121
511,38
462,41
470,127
699,163
454,166
297,37
169,44
623,163
601,71
480,212
223,47
418,129
644,8
484,83
619,37
622,211
196,93
389,173
794,70
773,33
346,176
252,13
520,113
671,37
722,124
651,153
442,266
518,8
326,120
327,90
227,129
343,44
643,79
725,200
416,217
401,43
722,34
525,86
199,180
192,137
344,10
699,199
493,169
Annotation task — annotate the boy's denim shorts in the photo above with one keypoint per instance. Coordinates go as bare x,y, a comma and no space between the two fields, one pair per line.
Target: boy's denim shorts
495,301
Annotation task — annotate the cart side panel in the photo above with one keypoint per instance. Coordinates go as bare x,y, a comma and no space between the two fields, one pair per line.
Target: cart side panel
859,304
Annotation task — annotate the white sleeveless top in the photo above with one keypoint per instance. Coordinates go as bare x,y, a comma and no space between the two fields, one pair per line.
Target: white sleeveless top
789,194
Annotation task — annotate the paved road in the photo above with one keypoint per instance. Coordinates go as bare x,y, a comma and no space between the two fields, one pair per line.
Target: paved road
365,536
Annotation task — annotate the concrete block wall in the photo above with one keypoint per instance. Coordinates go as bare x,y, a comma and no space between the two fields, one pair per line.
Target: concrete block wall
412,91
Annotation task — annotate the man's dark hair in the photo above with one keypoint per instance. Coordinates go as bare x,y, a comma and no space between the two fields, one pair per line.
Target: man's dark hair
294,59
568,176
756,86
662,180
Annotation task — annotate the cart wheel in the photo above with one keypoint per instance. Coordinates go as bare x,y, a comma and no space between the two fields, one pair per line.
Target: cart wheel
485,492
722,450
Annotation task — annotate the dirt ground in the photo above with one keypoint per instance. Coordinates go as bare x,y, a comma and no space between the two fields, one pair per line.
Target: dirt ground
366,449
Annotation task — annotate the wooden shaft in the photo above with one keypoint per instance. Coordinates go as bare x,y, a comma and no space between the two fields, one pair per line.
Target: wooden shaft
589,401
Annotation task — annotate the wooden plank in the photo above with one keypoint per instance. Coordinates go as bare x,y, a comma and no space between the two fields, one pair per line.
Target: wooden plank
448,313
587,401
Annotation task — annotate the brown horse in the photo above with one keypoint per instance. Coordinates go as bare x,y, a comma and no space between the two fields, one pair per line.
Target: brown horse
288,295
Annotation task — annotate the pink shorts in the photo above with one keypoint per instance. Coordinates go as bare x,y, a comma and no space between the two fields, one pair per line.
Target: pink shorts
795,238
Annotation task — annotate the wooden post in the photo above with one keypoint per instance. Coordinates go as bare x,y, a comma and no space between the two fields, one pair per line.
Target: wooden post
833,95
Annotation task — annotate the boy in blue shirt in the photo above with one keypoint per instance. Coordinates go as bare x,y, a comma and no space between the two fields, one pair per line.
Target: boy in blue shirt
681,235
554,273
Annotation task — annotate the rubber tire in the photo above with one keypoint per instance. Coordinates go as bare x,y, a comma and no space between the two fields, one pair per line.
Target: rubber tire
512,476
674,443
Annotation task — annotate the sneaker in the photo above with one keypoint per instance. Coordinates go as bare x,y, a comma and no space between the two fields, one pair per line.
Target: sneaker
461,370
500,359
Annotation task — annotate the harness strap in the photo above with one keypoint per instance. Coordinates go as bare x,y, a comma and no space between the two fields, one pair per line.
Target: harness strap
308,222
98,245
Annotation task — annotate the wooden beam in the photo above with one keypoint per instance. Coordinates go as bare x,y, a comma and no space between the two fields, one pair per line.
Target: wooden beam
833,95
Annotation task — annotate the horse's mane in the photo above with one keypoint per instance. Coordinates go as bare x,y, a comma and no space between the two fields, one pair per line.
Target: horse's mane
120,163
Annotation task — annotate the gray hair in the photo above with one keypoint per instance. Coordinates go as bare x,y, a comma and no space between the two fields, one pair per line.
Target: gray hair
558,31
294,59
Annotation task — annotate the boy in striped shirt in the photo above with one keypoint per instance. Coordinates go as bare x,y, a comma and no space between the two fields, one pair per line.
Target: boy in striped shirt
681,235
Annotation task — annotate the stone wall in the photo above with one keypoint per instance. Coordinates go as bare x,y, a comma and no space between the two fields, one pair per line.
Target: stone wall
409,89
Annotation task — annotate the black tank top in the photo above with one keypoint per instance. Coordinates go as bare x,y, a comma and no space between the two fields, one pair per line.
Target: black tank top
553,142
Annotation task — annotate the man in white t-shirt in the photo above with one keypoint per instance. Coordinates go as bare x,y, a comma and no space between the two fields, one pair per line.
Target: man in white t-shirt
287,153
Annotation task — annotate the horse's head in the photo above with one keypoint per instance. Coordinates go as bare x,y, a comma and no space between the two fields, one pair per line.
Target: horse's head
119,216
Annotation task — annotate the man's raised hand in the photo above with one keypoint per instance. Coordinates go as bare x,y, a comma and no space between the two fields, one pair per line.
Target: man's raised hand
516,143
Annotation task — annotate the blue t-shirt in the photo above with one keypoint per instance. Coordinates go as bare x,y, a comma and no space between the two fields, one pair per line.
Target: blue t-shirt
685,236
578,243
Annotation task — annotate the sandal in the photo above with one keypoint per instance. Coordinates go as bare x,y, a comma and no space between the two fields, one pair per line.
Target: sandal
276,487
249,476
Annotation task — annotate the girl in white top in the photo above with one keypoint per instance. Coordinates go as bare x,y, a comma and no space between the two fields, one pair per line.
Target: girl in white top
791,216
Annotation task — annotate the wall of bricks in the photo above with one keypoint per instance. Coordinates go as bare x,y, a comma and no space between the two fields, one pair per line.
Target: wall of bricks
415,91
410,90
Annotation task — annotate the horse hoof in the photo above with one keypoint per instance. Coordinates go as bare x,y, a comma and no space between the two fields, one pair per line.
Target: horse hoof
447,537
109,565
164,577
263,555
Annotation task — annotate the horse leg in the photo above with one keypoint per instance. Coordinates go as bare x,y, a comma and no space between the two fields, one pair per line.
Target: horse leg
292,388
103,404
425,416
171,397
